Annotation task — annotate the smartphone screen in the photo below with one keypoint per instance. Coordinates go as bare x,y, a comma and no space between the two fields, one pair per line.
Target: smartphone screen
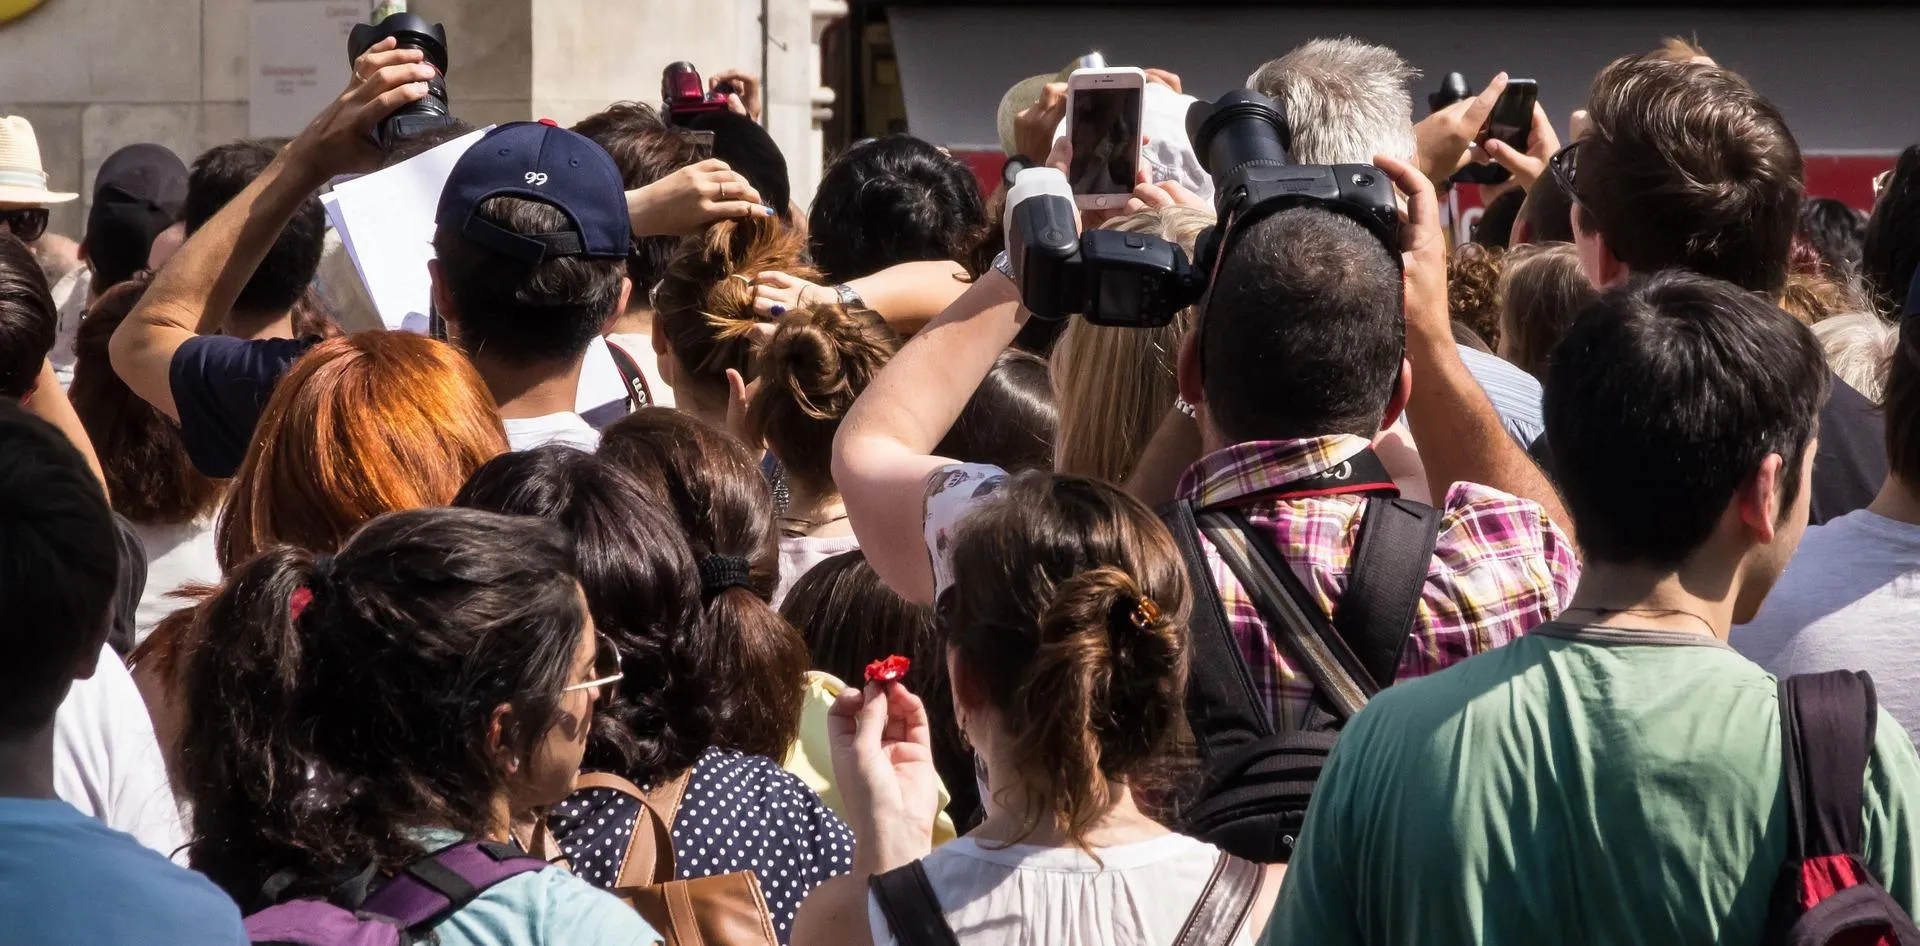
1105,126
1511,120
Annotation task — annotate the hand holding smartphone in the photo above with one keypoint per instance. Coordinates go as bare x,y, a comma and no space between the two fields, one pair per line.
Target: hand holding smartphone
1511,121
1105,109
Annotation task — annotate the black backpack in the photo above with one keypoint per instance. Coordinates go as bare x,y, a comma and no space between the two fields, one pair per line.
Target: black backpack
1257,781
1825,894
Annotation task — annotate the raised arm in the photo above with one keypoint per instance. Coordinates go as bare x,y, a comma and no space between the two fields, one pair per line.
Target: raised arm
906,295
200,283
1460,435
883,455
48,401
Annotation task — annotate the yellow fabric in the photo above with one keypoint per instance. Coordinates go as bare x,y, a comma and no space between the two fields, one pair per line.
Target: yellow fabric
811,757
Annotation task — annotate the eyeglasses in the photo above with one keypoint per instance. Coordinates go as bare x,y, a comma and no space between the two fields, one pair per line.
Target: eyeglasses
1564,166
28,224
606,670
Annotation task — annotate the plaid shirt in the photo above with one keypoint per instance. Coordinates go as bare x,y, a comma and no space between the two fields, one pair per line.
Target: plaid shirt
1500,567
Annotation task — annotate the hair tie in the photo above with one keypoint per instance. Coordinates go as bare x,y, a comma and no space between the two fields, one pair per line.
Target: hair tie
740,277
719,573
1144,614
303,595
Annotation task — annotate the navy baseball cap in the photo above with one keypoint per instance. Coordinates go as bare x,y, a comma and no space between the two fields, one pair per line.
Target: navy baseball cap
544,162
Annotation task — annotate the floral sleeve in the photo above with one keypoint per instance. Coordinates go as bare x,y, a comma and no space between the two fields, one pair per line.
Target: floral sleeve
951,492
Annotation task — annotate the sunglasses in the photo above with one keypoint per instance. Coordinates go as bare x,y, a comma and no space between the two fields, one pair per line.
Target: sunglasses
606,670
27,224
1565,167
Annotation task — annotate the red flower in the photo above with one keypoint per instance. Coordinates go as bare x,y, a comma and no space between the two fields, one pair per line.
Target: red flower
889,670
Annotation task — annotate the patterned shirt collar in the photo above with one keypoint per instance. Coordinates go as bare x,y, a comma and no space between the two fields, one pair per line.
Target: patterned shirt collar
1257,466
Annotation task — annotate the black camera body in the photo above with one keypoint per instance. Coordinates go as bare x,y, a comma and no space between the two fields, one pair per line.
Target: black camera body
1137,280
409,31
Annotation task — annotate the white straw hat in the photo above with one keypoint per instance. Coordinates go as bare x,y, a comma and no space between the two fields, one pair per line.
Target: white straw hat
22,178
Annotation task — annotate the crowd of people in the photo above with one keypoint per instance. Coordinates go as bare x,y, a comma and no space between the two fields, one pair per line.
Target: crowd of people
1396,591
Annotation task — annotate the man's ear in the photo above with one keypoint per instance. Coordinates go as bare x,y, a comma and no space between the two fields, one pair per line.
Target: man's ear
1402,393
1602,268
1760,499
619,305
1187,369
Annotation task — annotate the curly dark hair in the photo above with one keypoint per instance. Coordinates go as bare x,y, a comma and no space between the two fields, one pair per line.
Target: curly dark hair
892,200
643,590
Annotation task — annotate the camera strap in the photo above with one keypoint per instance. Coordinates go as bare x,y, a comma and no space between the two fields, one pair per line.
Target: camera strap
1361,473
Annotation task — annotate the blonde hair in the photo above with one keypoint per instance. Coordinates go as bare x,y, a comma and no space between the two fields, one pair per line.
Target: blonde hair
1859,347
1114,385
1813,298
1541,290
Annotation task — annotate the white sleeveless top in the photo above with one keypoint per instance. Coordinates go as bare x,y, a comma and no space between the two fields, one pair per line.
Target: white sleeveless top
1026,895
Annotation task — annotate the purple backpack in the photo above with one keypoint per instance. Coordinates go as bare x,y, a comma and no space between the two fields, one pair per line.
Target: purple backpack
428,891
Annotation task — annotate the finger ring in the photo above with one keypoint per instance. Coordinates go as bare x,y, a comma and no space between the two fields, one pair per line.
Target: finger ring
723,189
779,310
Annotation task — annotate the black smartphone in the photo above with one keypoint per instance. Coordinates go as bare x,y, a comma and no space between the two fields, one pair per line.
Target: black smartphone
1511,121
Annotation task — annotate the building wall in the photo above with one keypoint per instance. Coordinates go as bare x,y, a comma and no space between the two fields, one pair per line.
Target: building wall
95,75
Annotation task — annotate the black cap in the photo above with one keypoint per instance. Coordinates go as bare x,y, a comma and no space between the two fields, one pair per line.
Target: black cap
137,193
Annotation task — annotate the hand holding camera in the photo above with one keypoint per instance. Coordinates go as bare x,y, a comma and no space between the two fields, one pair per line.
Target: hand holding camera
342,139
1527,166
1423,255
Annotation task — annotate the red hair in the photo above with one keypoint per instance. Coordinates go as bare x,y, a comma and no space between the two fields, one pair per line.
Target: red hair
364,424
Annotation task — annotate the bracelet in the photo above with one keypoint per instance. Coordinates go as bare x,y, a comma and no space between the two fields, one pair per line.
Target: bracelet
1004,264
1180,404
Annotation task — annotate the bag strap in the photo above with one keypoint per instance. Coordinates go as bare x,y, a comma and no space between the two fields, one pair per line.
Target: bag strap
1224,904
649,856
432,888
1827,723
1286,607
665,797
639,395
1223,704
1385,579
912,909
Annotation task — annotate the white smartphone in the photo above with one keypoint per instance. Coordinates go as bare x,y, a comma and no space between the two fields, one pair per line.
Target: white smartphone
1104,112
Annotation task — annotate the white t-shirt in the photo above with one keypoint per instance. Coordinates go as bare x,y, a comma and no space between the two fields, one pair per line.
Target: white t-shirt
178,554
1136,895
70,300
1849,600
798,554
107,761
566,427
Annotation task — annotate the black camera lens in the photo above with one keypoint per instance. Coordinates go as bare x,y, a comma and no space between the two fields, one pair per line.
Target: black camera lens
1242,128
409,31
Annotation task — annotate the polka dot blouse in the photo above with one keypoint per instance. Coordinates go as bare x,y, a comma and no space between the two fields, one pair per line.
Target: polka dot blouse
740,812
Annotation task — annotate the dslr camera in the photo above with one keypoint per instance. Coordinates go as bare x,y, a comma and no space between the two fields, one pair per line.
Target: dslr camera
410,31
683,95
1137,280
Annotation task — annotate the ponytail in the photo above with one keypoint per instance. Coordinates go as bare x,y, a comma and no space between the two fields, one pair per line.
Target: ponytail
243,759
758,670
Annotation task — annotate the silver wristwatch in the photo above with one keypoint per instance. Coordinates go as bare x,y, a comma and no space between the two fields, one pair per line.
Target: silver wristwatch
849,297
1004,264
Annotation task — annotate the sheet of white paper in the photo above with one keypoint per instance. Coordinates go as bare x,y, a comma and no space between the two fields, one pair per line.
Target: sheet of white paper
385,220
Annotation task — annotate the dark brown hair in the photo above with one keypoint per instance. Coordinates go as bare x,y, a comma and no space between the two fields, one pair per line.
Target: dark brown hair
1473,297
28,320
849,618
526,313
713,486
818,360
1686,166
1068,605
1542,289
704,306
315,740
148,474
1900,403
645,149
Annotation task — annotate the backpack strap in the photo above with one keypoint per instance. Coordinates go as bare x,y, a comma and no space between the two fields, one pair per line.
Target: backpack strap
1385,578
911,907
1286,607
1827,723
432,888
1224,904
649,856
639,395
1223,705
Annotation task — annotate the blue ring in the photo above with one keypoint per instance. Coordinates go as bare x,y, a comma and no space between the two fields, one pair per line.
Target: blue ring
779,310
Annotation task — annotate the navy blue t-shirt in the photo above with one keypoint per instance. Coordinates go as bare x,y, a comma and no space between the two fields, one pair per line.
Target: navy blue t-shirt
220,387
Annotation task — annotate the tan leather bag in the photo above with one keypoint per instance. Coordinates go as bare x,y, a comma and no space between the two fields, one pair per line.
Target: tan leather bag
723,910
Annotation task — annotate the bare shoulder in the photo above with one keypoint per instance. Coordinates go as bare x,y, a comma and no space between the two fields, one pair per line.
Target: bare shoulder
834,914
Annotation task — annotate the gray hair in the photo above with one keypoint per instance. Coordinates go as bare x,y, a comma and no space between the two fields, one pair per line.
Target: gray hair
1859,347
1347,100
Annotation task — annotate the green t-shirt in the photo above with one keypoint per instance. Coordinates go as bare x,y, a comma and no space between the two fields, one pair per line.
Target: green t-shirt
1580,785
